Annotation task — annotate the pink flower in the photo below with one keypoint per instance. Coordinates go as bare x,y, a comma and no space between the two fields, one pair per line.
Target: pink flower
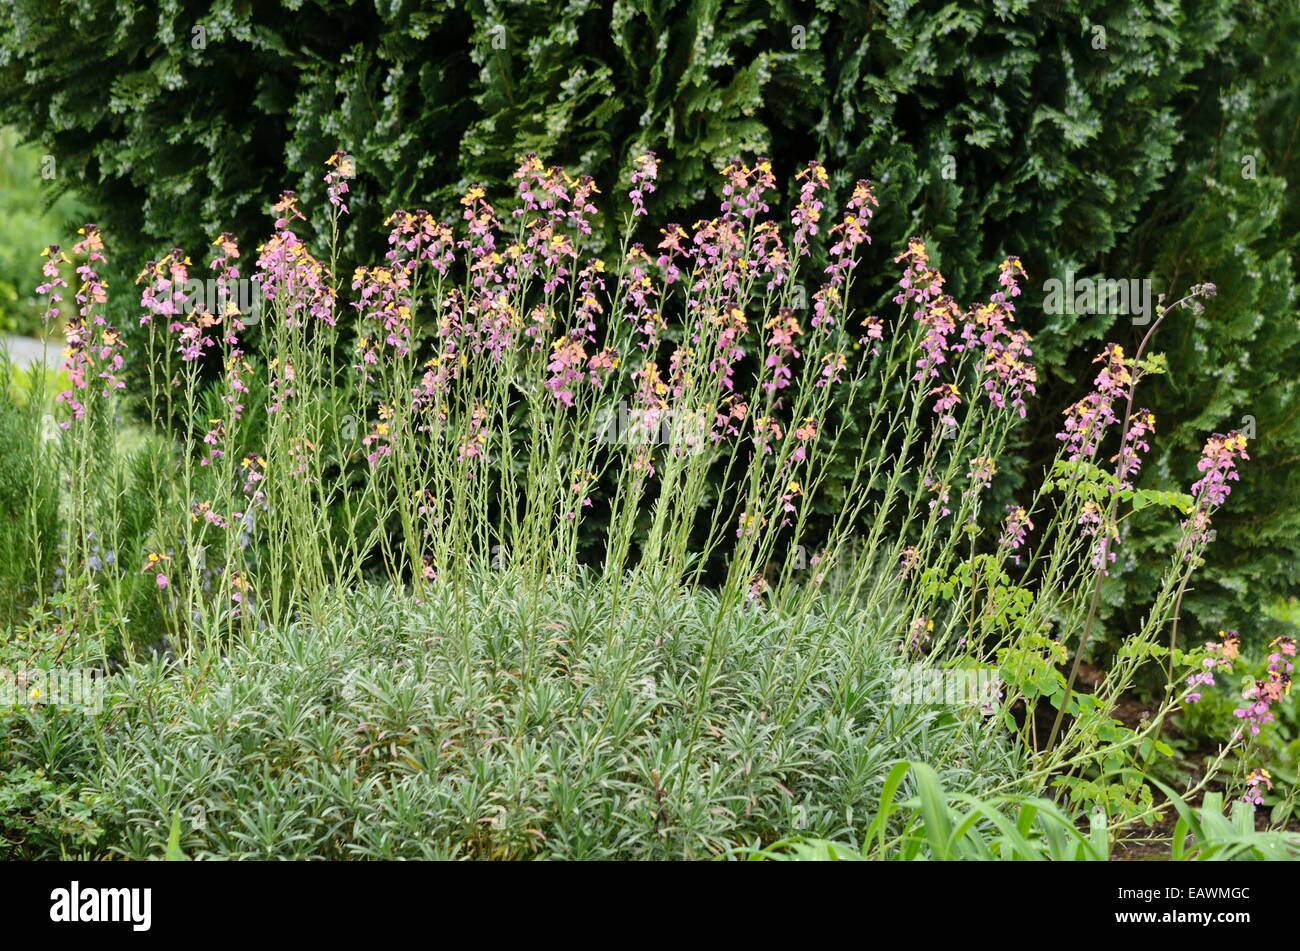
949,397
1008,376
341,169
289,274
808,212
1218,462
1257,782
851,232
1263,694
1129,459
645,169
1219,656
938,322
49,288
94,349
1087,420
1016,526
155,564
743,189
918,636
785,330
873,333
919,283
568,359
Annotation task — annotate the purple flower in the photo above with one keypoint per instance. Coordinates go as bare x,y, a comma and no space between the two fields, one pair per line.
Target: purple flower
341,169
1087,420
645,169
1015,528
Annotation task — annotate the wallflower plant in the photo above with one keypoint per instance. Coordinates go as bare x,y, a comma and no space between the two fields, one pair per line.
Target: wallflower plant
444,413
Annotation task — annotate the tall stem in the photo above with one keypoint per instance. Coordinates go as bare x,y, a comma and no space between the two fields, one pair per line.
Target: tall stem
1100,570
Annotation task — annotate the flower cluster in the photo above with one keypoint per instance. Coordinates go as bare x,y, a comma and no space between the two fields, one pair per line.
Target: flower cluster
380,438
53,280
851,232
341,170
566,367
982,471
1015,528
873,331
1008,376
288,273
1258,782
474,445
731,329
1219,656
156,564
1218,463
642,296
645,169
1087,420
948,398
784,331
919,284
731,412
163,292
94,349
938,321
918,636
1129,459
940,490
223,265
768,255
203,511
1261,695
743,189
1097,522
253,468
806,434
384,301
808,211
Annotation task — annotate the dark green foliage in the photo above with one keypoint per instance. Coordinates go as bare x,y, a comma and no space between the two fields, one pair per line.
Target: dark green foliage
1078,134
44,810
1230,214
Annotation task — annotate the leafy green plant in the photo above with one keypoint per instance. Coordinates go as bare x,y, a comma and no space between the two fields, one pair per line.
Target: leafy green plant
46,810
941,826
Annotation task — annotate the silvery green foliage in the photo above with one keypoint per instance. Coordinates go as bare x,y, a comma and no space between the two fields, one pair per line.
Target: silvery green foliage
364,734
